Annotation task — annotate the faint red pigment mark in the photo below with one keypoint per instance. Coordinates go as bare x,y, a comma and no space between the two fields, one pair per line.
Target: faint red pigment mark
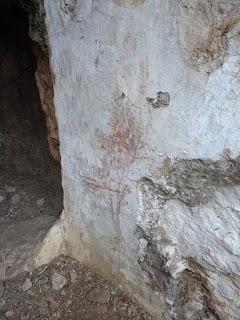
121,146
124,139
95,185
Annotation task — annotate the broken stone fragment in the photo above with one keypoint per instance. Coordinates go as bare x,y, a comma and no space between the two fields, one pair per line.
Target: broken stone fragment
27,284
58,281
73,276
40,202
9,314
15,199
99,295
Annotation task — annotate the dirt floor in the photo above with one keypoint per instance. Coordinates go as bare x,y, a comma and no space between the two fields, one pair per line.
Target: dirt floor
27,196
65,289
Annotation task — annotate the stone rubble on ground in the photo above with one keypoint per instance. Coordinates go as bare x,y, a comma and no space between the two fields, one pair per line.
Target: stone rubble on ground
86,296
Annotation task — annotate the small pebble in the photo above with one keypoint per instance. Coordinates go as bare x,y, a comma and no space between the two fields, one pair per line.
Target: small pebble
9,189
9,313
15,199
99,295
40,202
73,276
27,284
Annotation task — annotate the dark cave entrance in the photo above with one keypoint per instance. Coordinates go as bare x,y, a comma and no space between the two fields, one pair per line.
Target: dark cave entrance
30,179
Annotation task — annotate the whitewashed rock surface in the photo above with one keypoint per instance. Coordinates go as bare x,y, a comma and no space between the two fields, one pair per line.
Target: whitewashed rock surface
147,97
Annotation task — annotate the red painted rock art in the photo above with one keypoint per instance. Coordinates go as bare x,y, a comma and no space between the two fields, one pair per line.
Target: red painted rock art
121,146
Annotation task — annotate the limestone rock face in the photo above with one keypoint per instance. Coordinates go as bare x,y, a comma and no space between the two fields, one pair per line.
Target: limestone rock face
152,189
45,88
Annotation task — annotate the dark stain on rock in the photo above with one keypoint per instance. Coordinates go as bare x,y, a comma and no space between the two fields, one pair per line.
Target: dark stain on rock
190,295
154,264
162,100
194,299
192,181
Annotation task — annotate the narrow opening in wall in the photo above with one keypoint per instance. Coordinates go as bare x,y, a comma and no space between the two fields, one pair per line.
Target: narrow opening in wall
30,173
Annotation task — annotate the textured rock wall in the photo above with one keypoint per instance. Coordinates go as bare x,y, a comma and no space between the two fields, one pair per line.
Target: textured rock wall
23,146
45,87
147,98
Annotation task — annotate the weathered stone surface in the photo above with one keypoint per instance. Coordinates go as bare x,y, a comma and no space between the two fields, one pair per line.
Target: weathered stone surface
15,199
27,284
58,281
172,171
45,88
99,295
20,241
73,276
40,202
9,313
205,43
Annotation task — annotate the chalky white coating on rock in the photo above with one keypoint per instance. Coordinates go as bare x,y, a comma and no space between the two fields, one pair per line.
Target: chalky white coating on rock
110,140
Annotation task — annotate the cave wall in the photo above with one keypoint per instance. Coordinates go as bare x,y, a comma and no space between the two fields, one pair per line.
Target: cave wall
23,134
147,97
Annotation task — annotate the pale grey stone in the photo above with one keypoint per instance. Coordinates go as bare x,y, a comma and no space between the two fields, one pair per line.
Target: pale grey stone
15,199
99,295
40,202
27,284
58,281
9,313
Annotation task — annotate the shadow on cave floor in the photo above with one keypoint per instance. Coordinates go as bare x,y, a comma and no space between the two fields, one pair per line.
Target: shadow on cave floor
30,181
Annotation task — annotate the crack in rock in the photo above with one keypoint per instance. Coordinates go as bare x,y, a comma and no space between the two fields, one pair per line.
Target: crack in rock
192,181
205,44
